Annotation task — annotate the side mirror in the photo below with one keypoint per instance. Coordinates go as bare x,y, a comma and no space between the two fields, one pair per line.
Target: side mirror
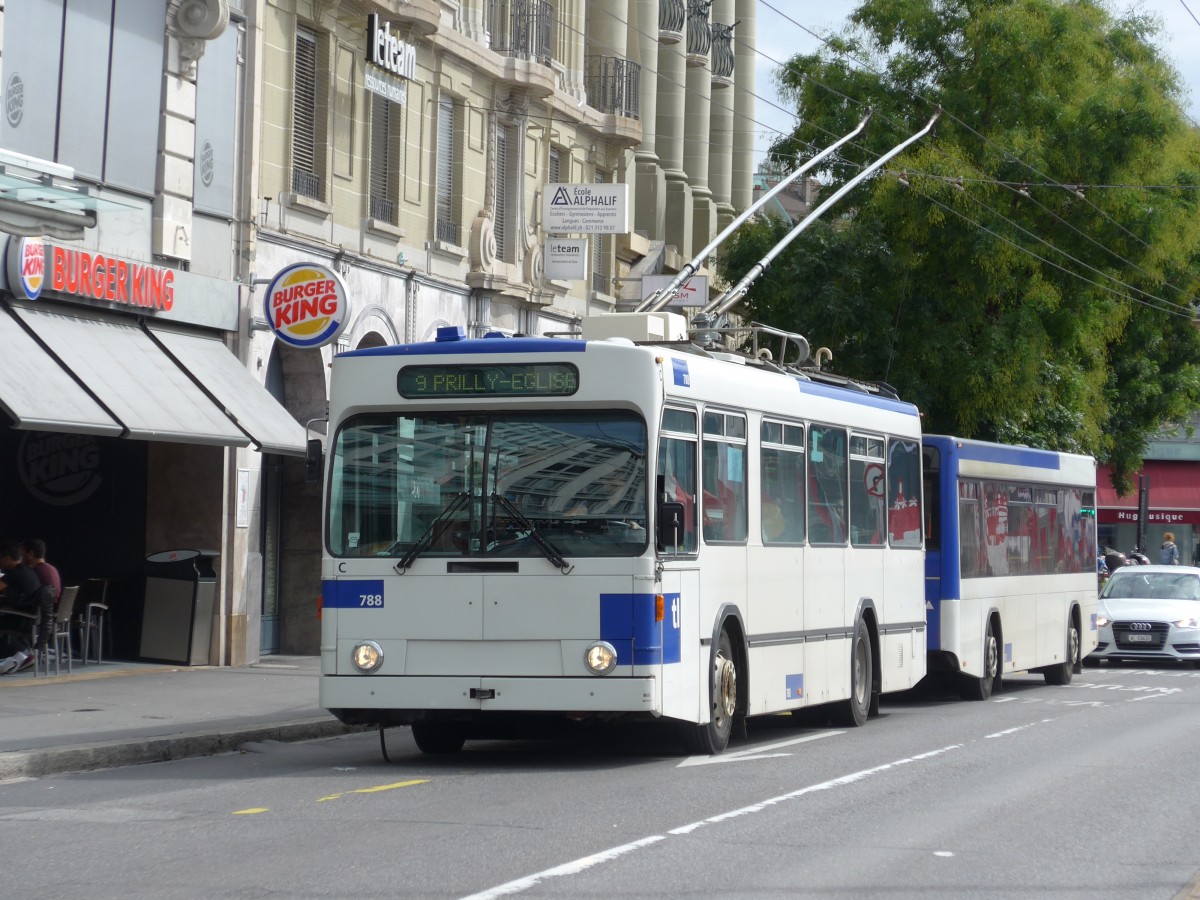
669,528
314,455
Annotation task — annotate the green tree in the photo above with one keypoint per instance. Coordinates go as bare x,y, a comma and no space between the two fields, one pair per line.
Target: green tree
1004,303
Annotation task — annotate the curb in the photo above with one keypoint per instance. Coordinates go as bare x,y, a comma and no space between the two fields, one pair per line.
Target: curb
109,754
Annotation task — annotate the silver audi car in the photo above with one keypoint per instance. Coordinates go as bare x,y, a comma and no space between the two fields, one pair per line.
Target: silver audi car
1150,613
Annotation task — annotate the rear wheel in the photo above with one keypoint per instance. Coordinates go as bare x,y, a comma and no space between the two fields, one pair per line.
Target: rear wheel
853,713
438,737
971,688
712,737
1062,674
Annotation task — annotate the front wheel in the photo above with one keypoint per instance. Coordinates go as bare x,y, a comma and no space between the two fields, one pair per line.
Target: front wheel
438,738
712,737
1062,674
853,713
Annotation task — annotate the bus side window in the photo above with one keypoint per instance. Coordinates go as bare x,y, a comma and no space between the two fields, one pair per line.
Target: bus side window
676,476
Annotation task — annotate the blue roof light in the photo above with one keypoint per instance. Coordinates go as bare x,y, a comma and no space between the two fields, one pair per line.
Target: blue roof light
451,333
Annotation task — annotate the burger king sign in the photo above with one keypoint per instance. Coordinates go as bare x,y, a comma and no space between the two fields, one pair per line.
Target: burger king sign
307,305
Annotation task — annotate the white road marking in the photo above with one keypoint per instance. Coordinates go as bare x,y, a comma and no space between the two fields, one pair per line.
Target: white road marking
1009,731
586,862
754,752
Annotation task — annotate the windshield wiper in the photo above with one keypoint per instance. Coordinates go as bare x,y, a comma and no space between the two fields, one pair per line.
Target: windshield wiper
459,501
534,535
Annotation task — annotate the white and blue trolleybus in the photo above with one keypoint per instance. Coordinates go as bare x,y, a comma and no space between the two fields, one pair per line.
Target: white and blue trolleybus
1010,561
623,525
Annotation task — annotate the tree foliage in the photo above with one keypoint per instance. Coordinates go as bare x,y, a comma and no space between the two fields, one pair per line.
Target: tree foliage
1005,305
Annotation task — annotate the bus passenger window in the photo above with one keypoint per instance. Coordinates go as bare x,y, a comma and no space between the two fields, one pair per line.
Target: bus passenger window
781,483
724,477
827,473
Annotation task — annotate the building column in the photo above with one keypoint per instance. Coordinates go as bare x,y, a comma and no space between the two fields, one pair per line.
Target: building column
607,28
720,154
669,125
744,126
573,30
649,207
698,118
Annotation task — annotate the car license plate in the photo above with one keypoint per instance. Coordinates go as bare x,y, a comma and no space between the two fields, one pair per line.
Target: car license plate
1141,638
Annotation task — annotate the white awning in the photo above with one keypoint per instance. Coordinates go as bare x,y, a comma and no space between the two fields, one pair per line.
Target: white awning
132,377
39,394
270,426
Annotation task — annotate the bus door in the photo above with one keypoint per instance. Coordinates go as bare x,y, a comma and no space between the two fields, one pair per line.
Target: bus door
934,585
684,660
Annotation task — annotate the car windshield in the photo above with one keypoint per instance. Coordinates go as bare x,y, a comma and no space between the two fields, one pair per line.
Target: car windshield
506,484
1129,582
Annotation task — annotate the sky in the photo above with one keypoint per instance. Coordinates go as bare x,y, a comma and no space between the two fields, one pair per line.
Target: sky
778,39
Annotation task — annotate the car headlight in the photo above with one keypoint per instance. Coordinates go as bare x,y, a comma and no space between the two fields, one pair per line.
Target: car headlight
1192,622
600,658
367,656
1101,621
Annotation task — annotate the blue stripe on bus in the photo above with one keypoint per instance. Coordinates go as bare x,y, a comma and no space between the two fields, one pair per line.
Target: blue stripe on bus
352,594
627,622
475,346
850,395
1030,457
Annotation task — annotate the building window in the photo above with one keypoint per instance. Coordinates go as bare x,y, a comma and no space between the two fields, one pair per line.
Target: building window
449,190
383,180
309,127
508,192
554,167
602,251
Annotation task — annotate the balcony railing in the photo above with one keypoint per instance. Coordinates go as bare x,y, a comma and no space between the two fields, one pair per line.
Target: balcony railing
306,184
522,28
383,210
613,85
722,53
446,231
699,32
672,16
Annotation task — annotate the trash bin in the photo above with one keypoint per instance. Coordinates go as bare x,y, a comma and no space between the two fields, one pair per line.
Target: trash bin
181,589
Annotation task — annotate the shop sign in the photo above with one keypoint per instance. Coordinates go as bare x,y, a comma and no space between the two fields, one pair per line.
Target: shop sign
586,209
1153,517
389,52
307,305
34,265
26,267
692,293
565,259
389,88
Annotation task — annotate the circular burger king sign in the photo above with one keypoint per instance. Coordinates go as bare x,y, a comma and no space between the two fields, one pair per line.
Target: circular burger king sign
307,305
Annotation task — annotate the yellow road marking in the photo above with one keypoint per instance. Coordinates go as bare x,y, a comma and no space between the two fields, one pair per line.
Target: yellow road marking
373,790
250,812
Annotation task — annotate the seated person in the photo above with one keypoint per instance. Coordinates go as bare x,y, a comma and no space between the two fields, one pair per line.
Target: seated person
20,590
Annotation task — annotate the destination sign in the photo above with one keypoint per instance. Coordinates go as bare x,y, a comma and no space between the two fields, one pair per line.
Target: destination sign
502,380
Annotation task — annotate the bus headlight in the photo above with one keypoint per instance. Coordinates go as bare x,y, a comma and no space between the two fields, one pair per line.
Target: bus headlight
600,658
367,656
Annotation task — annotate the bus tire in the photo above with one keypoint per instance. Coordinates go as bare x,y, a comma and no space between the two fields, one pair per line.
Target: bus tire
853,713
971,688
1062,674
712,737
437,738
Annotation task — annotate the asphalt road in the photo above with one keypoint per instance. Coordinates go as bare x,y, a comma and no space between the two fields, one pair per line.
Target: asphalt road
1087,791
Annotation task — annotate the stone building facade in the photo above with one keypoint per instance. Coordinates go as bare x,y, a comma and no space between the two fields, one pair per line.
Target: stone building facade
160,160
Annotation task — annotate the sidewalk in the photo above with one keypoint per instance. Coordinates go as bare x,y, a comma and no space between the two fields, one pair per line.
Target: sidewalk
126,713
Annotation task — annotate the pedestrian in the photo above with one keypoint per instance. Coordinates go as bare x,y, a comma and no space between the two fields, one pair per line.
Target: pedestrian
1168,553
34,557
20,591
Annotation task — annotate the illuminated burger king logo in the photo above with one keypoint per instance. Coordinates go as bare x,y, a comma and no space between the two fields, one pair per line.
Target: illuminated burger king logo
307,305
26,265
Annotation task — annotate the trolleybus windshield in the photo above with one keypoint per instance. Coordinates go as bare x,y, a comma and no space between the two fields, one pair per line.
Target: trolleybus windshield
573,480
